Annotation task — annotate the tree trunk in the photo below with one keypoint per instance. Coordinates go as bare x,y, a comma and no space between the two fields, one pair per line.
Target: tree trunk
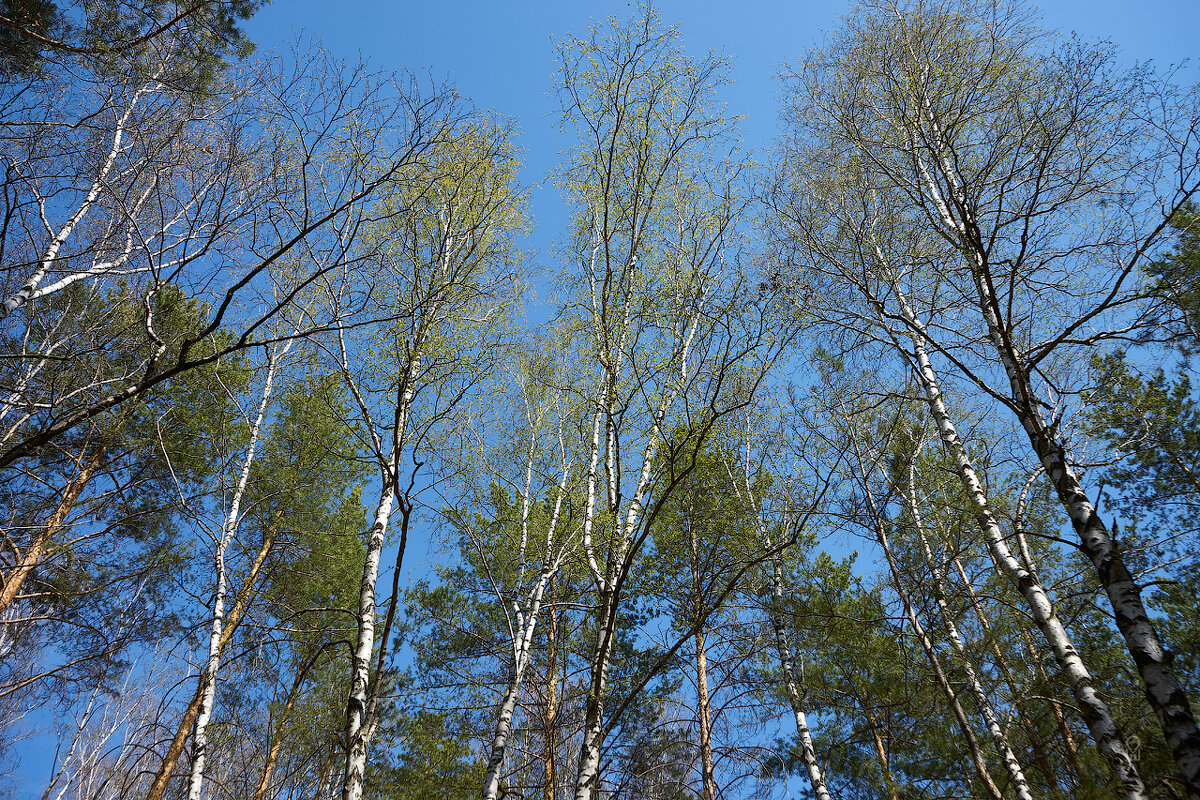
587,779
1012,765
880,748
707,773
939,675
28,561
516,671
879,523
208,678
175,750
1151,657
1035,738
549,723
264,779
808,753
1060,718
357,724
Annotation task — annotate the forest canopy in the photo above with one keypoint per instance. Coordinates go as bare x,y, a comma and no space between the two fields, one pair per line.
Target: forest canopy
860,466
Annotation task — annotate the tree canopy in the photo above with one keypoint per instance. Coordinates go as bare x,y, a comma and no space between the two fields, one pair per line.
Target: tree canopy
863,466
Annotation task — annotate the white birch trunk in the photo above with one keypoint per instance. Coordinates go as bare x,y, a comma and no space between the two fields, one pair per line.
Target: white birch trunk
587,773
927,645
46,262
808,753
587,779
357,722
360,705
523,643
1012,764
520,660
213,665
1153,660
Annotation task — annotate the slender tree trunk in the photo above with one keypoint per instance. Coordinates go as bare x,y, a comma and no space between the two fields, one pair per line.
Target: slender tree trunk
881,751
357,725
503,727
360,704
1152,659
1060,717
208,678
550,721
28,561
277,740
159,785
879,523
707,772
1035,739
516,671
939,674
708,781
587,779
1012,765
808,753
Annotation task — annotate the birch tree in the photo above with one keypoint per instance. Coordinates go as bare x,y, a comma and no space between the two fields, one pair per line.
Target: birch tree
778,515
225,537
877,263
445,279
288,475
1032,164
662,311
165,190
521,548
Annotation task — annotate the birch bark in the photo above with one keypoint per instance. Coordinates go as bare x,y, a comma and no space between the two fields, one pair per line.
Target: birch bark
166,768
1101,723
927,646
808,754
357,720
208,677
1012,765
1022,705
444,276
522,644
708,778
1152,659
